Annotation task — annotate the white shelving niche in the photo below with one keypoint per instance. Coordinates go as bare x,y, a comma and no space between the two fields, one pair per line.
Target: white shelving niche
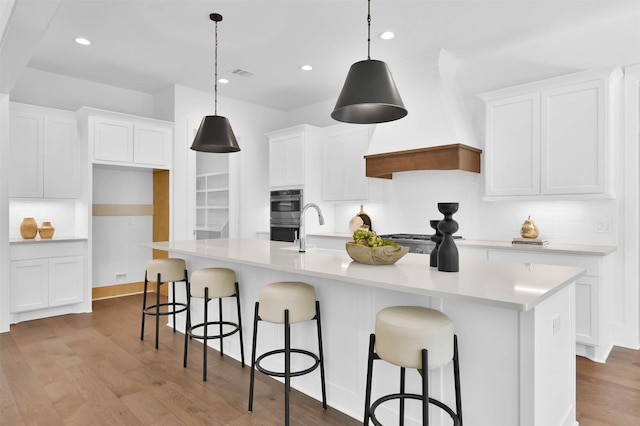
212,196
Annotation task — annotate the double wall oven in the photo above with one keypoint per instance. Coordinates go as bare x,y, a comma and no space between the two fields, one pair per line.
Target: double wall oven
286,205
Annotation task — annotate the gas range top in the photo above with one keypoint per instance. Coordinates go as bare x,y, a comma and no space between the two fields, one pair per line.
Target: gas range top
417,243
417,237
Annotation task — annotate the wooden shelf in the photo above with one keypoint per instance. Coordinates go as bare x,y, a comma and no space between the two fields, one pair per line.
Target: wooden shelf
445,157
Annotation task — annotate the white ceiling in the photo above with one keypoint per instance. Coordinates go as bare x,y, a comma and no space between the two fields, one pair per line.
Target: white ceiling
150,45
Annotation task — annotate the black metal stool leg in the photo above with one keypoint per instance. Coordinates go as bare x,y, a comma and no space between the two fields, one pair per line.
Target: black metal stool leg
367,397
144,305
425,387
321,357
158,311
173,304
240,324
220,329
187,331
402,382
287,365
253,356
206,320
456,376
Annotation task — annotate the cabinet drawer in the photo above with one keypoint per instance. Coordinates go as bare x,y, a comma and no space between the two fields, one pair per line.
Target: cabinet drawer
591,264
46,250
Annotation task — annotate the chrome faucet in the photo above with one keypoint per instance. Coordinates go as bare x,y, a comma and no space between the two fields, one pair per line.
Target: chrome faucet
302,236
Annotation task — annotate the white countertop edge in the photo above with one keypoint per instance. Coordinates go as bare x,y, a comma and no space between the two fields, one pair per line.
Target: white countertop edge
578,249
45,240
510,305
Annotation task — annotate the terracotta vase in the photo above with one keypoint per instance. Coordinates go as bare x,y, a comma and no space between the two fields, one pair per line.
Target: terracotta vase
46,230
28,228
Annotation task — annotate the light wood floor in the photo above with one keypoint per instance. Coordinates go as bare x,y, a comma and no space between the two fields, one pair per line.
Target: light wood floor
92,369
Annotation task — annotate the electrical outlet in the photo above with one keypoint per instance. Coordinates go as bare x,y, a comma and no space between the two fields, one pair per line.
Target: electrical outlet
602,226
120,278
556,324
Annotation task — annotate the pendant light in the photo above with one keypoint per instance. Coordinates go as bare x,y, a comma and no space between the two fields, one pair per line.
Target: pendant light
215,133
369,94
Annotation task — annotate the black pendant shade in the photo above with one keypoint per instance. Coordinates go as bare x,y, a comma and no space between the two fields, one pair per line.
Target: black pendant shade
215,135
369,95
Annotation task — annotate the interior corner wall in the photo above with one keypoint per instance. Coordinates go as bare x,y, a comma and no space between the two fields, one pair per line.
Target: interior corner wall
4,213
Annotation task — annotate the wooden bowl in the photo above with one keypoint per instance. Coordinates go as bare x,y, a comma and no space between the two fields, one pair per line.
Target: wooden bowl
382,255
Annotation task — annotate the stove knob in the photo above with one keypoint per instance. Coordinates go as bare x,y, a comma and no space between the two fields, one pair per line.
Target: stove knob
419,250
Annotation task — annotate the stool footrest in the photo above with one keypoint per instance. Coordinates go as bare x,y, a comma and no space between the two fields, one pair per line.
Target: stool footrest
292,373
151,310
190,332
403,396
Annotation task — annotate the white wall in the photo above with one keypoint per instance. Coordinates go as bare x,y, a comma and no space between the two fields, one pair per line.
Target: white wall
4,213
248,168
42,88
117,255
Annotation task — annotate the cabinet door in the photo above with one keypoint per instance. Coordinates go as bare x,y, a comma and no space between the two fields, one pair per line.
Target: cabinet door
286,160
61,166
152,145
66,280
26,154
587,310
343,165
112,140
29,287
573,145
513,146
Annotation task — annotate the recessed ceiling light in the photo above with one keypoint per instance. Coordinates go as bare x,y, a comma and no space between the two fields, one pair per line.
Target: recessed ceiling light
387,35
83,41
306,67
223,81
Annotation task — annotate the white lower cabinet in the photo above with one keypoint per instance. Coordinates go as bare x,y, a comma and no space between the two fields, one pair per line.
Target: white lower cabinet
45,277
593,310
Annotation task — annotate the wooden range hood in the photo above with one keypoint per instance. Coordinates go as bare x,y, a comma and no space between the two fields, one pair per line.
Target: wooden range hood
444,157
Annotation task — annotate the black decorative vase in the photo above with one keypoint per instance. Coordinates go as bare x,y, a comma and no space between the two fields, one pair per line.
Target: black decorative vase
436,238
448,252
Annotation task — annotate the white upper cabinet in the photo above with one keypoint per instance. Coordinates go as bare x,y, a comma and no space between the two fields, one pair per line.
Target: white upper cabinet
127,140
289,155
551,138
43,152
343,164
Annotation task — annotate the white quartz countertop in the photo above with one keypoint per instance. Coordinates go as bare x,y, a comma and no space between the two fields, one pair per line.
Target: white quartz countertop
510,285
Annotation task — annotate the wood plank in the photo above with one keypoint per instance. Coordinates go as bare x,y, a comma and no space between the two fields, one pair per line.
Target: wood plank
445,157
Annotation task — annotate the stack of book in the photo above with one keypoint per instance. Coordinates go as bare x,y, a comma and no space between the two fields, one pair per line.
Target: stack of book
530,241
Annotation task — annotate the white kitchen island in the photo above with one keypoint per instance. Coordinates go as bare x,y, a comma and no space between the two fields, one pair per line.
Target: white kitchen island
514,321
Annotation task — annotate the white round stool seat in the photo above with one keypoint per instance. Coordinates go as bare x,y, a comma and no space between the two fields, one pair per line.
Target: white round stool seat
299,298
403,331
170,270
220,281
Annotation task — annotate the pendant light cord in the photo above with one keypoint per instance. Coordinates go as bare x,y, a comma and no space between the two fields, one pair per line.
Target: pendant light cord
368,29
215,84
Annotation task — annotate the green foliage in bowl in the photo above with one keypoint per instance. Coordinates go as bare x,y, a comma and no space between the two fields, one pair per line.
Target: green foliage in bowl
368,248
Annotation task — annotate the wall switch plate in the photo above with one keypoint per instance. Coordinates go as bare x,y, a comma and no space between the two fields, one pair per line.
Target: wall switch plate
602,226
556,324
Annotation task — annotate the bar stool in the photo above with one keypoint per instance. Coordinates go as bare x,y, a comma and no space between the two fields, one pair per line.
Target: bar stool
164,271
413,337
207,284
287,303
